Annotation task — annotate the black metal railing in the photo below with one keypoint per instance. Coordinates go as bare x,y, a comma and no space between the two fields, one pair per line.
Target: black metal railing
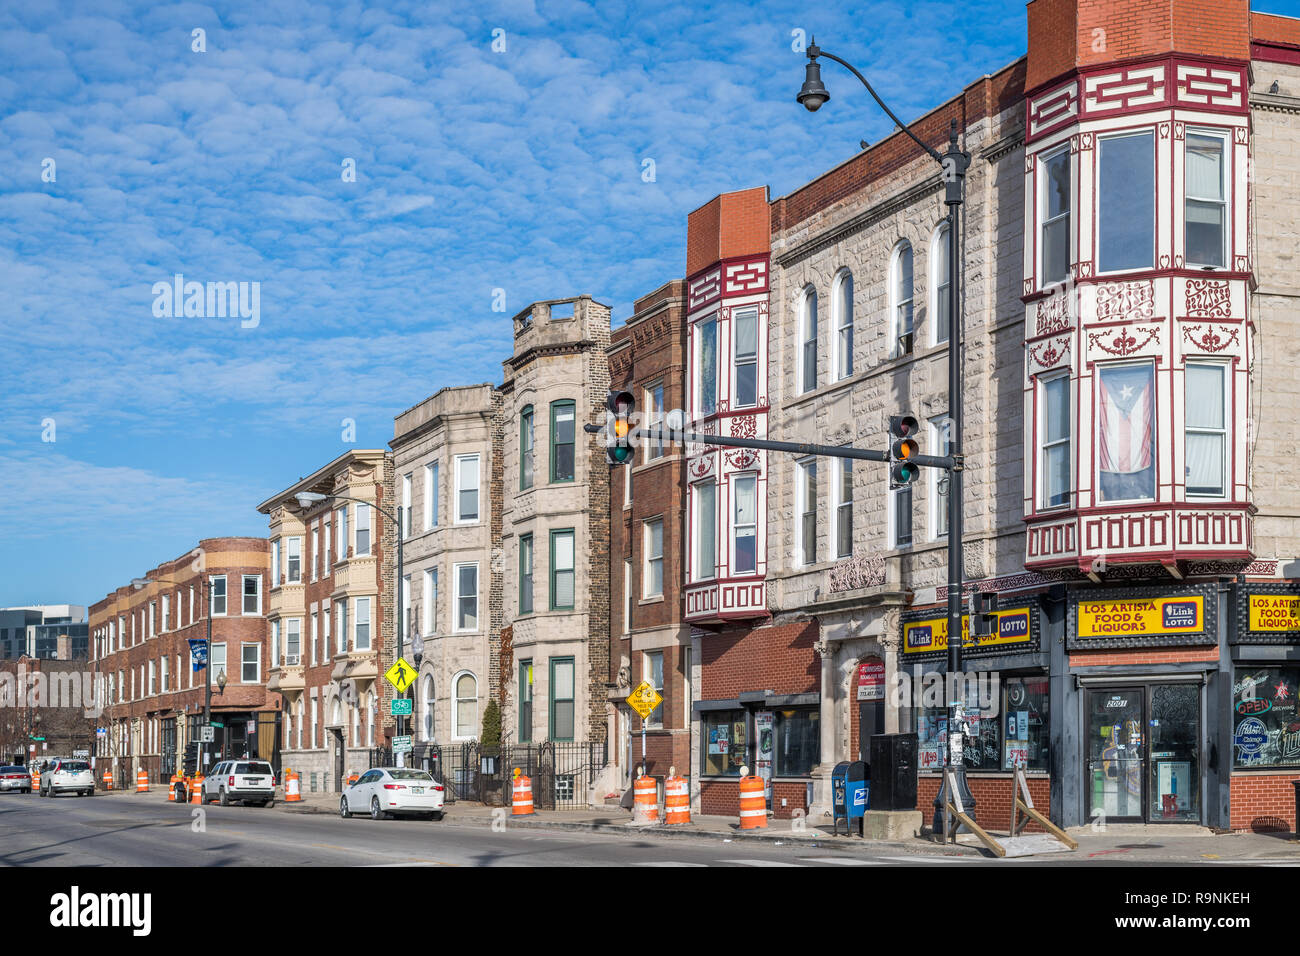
562,772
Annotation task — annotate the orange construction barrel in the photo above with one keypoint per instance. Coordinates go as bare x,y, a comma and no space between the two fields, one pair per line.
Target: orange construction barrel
753,803
292,789
141,781
645,809
171,789
522,795
677,799
196,789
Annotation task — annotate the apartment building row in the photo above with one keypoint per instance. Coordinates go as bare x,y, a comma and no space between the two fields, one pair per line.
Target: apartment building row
1126,345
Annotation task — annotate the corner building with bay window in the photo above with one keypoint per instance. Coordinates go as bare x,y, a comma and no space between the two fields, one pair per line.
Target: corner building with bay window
1130,374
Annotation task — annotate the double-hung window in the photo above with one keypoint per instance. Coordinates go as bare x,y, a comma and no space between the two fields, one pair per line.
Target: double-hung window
653,544
563,436
1126,202
526,448
466,489
430,600
941,441
808,341
706,531
900,516
341,626
407,522
1207,433
328,538
277,572
562,570
252,594
707,384
745,525
562,710
901,302
1207,202
217,606
293,640
941,280
341,526
744,324
653,672
843,300
430,495
250,663
1054,217
806,489
654,400
361,641
526,574
1055,425
525,701
844,508
363,528
466,576
295,561
1126,424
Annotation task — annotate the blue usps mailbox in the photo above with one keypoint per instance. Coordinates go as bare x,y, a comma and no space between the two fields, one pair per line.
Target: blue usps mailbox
850,794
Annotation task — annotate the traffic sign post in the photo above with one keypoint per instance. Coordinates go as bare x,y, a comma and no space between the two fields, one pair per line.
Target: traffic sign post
402,745
206,735
644,699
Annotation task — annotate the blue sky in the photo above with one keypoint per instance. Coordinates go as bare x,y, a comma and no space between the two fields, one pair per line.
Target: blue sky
476,169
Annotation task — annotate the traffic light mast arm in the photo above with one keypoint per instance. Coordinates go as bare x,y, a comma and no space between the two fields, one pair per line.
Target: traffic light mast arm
794,448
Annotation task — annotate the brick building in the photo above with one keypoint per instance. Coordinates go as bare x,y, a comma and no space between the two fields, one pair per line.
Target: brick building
330,612
554,537
153,697
1125,253
444,455
649,638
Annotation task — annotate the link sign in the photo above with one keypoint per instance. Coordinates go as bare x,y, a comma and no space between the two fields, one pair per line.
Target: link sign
644,699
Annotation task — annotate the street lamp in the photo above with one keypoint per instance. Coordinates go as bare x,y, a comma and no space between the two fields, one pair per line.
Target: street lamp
813,94
308,498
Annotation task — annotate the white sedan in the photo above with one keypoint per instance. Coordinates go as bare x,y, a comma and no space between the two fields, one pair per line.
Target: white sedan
384,791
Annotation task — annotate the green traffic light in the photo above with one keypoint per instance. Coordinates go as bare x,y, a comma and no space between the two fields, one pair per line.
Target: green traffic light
622,453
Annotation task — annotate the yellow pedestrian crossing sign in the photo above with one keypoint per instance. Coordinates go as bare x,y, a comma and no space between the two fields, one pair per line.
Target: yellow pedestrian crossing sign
401,675
644,699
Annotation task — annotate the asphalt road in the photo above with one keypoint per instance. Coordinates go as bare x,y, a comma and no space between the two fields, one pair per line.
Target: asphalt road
105,831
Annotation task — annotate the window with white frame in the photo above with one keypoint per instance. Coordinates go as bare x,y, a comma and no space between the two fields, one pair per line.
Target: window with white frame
314,636
900,516
218,595
166,608
525,574
326,634
843,507
372,712
1054,217
430,610
295,561
940,283
328,538
627,595
427,711
1126,202
900,300
341,626
842,299
806,508
705,524
162,678
563,440
653,671
315,551
1126,423
315,721
465,706
405,625
293,641
654,404
363,528
430,495
1206,210
706,383
744,325
744,526
527,448
252,594
276,570
275,644
1206,429
466,577
407,522
808,340
1054,427
217,660
562,569
341,532
153,616
652,537
466,489
250,662
941,442
361,635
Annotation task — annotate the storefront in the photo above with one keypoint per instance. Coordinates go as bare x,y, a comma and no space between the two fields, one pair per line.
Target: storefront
777,736
1005,686
1265,723
1146,676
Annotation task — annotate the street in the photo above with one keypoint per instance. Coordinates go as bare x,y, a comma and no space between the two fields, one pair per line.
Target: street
120,830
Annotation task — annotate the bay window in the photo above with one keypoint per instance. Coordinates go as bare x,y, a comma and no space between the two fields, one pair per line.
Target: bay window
1207,433
526,574
1206,204
653,547
1126,202
526,448
745,525
466,579
361,640
563,438
562,570
707,383
294,575
706,531
467,486
1055,447
744,325
363,529
1127,431
1054,216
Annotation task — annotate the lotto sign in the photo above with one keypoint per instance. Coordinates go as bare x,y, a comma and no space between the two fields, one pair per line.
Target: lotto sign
1182,615
1274,612
644,699
923,637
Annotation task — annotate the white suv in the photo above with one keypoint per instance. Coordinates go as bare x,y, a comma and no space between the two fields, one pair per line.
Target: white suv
248,781
63,775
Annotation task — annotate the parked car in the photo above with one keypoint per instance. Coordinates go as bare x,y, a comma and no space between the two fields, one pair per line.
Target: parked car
384,791
15,778
245,781
63,775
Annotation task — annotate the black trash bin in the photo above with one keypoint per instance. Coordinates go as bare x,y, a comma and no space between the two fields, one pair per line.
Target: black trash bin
1296,784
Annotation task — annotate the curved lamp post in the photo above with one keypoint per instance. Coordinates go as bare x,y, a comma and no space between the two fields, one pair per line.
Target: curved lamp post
813,95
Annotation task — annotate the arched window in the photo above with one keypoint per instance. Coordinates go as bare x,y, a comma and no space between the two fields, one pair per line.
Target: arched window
336,713
526,448
900,300
808,340
940,285
430,702
842,297
465,706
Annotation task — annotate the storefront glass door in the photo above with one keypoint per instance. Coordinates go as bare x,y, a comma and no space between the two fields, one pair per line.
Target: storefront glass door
1143,753
1115,721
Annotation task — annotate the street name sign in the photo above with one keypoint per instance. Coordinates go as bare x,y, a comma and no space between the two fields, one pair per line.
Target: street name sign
644,699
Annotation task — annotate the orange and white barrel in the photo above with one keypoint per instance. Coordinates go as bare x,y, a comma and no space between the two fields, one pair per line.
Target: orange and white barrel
522,795
292,788
677,799
141,781
645,809
196,789
753,803
171,788
36,780
107,778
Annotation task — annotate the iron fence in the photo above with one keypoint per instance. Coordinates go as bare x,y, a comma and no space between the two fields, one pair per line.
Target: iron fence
562,772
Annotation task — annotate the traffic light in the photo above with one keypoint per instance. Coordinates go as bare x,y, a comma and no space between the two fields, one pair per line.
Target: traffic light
983,614
190,762
903,449
618,427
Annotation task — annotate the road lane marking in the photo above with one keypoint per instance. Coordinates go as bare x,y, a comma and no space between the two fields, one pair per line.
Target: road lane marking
760,862
663,863
841,860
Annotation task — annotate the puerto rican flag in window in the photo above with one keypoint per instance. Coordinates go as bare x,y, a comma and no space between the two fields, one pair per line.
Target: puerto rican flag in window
1126,420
